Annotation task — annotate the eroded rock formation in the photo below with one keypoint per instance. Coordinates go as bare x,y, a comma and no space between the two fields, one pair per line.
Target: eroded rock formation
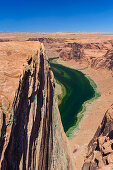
105,61
32,136
95,53
100,149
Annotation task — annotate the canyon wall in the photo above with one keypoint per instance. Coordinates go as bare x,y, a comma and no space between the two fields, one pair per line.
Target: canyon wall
94,51
32,135
31,132
100,148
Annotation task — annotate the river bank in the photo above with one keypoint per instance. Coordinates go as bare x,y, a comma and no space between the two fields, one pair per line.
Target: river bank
94,112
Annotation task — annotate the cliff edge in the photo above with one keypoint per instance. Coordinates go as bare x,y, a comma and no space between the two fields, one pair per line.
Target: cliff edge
32,135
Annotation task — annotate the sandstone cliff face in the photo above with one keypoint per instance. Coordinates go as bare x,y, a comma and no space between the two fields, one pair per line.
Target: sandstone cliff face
100,149
33,136
94,53
105,61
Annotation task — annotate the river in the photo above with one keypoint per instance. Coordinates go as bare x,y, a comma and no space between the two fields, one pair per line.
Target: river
77,90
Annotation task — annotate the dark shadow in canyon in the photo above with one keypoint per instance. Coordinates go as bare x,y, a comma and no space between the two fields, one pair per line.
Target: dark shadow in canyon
47,133
3,132
36,123
17,146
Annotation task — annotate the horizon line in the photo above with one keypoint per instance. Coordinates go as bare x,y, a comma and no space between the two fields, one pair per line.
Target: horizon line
57,32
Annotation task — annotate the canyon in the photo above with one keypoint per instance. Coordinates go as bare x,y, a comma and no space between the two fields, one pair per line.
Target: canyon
32,135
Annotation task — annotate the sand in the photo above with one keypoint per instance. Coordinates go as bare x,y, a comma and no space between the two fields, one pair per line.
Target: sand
94,111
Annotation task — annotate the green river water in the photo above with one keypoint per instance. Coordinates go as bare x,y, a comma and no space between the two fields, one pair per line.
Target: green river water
77,89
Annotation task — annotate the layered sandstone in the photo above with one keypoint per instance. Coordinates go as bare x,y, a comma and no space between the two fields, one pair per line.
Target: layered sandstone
100,149
93,50
31,132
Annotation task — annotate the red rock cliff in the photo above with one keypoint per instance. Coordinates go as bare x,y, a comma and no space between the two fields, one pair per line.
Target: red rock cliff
100,149
34,138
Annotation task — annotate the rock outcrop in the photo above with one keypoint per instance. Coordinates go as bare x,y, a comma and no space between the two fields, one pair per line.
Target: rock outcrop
93,54
32,135
100,149
105,61
4,40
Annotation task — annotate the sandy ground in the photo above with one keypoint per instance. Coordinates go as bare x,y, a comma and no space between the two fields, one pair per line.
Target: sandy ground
94,111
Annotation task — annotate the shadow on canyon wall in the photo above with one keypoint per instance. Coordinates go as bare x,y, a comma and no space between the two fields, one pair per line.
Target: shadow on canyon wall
3,132
18,143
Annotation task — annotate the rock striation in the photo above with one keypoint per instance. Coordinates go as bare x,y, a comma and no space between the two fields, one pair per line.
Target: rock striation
100,148
105,61
32,135
31,132
95,53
